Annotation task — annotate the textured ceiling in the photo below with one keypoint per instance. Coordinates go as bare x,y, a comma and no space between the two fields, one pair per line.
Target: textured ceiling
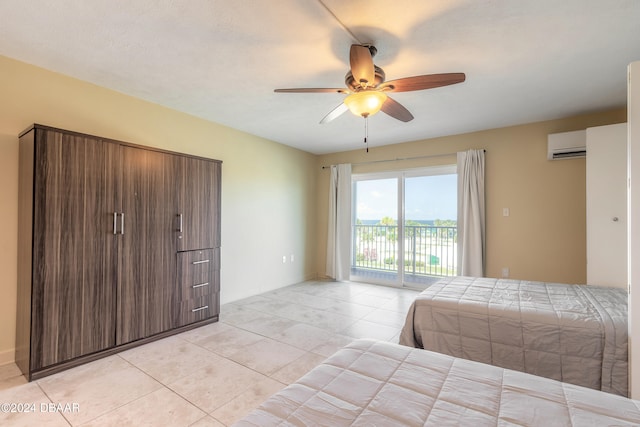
525,60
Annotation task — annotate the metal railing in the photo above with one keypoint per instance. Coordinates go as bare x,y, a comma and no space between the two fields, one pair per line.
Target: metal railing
428,250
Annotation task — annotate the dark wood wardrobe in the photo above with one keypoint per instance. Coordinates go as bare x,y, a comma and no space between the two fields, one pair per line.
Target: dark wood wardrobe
118,245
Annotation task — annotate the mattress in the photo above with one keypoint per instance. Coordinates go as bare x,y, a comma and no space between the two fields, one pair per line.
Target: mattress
571,333
372,383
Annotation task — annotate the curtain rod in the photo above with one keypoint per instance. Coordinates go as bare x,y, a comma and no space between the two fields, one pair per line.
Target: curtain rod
401,159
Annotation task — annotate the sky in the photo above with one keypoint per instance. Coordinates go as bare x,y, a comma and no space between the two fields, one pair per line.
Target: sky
426,198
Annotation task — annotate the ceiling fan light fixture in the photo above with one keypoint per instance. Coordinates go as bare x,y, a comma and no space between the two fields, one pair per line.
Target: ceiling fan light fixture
365,103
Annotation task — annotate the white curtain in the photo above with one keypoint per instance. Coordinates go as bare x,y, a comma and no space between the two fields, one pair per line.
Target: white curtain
471,213
339,223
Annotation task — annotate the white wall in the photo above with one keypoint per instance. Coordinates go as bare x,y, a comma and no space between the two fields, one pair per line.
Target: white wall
633,116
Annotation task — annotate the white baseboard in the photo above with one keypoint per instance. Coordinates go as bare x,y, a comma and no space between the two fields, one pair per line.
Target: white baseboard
7,356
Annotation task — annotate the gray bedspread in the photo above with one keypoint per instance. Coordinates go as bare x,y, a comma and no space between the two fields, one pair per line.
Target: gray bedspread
371,383
571,333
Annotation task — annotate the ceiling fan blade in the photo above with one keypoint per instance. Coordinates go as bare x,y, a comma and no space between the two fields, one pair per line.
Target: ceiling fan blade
428,81
362,68
335,113
396,110
311,90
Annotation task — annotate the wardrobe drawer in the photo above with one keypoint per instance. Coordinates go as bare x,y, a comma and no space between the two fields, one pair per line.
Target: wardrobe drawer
196,309
198,273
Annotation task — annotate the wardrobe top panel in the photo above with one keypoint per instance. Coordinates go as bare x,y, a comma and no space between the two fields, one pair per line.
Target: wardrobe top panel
37,126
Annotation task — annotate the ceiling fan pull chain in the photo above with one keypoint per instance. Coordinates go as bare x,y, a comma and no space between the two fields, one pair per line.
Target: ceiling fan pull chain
366,132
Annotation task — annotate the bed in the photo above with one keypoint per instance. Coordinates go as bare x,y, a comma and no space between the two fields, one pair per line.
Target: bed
373,383
571,333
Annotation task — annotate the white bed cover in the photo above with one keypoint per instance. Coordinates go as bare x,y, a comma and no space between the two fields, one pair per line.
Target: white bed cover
571,333
372,383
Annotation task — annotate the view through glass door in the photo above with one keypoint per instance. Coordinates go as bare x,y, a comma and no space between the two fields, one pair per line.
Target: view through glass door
404,227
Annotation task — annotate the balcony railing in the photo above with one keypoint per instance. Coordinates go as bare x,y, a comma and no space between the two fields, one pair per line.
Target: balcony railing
428,250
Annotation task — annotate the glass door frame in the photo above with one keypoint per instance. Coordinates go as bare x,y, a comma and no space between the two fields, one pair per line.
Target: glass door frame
400,176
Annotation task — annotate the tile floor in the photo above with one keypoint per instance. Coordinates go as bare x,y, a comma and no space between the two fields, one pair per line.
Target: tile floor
213,375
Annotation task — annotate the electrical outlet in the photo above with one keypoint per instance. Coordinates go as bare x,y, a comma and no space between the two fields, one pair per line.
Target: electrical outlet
284,259
292,258
505,272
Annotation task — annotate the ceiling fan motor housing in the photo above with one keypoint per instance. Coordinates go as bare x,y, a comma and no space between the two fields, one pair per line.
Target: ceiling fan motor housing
354,86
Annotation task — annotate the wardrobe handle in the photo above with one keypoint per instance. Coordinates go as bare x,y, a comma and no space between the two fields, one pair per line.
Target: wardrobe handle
200,262
200,285
115,223
200,308
121,222
180,224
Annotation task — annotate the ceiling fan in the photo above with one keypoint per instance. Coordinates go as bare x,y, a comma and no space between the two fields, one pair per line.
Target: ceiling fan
367,90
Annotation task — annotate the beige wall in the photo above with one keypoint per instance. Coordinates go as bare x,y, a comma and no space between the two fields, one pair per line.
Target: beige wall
268,202
274,198
544,238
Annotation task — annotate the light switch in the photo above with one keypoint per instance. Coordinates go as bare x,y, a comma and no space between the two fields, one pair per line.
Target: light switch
505,211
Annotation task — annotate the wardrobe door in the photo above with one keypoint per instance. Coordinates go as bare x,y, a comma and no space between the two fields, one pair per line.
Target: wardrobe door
198,204
74,253
147,225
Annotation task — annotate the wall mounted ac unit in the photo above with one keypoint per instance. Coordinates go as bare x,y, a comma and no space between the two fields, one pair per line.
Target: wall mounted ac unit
567,145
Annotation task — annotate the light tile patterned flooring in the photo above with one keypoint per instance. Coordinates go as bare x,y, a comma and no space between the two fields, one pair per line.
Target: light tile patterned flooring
213,375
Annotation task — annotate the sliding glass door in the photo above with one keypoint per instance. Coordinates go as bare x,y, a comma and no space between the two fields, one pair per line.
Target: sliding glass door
430,227
404,226
375,230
